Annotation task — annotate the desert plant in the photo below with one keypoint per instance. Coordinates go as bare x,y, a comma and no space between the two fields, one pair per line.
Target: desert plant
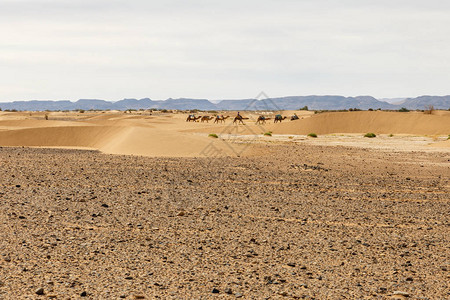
269,133
313,135
81,111
448,138
304,108
370,135
213,135
46,116
403,109
391,135
429,109
291,137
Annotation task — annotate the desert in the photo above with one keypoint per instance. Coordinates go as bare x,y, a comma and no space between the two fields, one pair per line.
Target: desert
145,205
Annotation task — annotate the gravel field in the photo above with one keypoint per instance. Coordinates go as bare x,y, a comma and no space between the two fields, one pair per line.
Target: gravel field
295,222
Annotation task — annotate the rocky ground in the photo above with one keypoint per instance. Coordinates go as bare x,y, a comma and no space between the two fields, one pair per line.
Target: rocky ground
304,222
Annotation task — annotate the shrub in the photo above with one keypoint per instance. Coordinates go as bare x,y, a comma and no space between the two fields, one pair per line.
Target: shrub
81,111
304,108
429,109
370,135
269,133
213,135
391,135
403,109
291,137
46,116
448,138
313,135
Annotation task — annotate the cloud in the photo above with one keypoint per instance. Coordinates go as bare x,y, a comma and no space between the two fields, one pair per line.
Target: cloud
222,49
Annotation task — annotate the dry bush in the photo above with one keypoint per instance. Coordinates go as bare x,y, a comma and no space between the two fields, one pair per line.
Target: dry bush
429,109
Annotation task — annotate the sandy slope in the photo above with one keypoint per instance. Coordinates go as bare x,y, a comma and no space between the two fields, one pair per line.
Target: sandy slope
170,135
114,133
352,122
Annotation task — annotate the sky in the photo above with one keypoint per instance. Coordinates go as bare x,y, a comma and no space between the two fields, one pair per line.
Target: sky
115,49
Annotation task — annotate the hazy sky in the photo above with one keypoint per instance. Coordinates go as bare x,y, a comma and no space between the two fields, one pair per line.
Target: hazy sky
114,49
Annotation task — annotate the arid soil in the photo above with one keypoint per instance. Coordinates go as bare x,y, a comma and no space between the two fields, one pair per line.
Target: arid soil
297,221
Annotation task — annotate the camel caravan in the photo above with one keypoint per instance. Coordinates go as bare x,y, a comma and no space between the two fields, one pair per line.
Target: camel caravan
239,119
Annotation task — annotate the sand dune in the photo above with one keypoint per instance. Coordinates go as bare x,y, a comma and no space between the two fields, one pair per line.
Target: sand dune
114,134
170,135
349,122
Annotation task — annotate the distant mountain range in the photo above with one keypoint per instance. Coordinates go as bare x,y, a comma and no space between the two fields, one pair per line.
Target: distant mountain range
281,103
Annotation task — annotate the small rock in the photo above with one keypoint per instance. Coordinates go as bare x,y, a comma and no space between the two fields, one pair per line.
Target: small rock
105,205
400,293
181,213
128,278
83,294
409,279
215,291
238,295
228,291
40,291
291,264
139,297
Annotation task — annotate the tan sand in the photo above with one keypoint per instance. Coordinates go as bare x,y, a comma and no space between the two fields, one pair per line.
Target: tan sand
143,133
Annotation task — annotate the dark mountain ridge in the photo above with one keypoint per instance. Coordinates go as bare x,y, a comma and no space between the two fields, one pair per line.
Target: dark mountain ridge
313,102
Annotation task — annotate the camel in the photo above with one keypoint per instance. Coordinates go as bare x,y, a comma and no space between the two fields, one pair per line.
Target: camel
192,118
294,117
278,118
238,119
262,120
220,118
206,118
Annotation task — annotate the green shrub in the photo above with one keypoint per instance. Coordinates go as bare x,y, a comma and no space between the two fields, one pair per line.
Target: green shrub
213,135
313,135
304,108
370,135
391,135
403,109
269,133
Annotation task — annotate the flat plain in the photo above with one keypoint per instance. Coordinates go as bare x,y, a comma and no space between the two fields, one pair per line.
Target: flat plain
291,219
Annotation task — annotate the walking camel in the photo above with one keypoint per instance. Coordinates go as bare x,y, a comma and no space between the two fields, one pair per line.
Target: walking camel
192,118
238,119
206,118
262,120
279,118
221,119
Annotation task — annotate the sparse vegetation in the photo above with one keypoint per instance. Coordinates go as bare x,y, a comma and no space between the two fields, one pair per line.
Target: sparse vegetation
313,135
46,116
291,137
81,111
391,135
448,138
304,108
213,135
370,135
269,133
429,109
403,109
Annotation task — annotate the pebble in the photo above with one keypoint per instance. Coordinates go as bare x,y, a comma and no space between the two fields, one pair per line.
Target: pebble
215,291
83,294
181,213
40,291
400,293
291,264
228,291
